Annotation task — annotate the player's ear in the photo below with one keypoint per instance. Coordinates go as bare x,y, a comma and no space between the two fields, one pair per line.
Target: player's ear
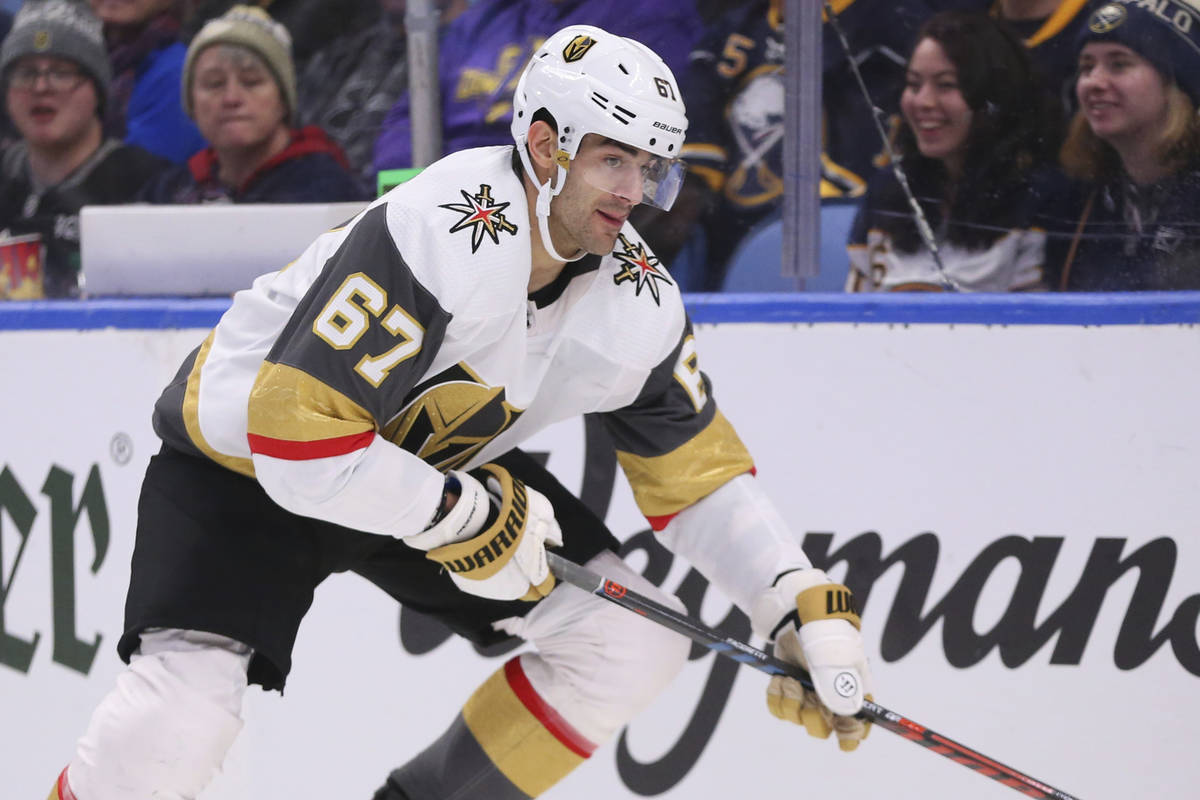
543,143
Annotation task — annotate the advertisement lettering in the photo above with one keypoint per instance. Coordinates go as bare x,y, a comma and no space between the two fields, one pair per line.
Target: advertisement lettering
65,514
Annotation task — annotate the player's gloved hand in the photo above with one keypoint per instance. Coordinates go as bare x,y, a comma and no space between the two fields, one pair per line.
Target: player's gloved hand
493,540
812,622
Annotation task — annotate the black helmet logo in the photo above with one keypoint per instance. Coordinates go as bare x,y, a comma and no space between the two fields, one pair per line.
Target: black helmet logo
577,48
1107,18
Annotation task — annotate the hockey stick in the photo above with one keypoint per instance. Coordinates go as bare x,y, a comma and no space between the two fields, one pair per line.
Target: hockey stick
729,647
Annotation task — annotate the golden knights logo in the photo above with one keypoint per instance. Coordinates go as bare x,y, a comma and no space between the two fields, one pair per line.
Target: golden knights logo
482,215
641,267
1107,18
450,417
577,48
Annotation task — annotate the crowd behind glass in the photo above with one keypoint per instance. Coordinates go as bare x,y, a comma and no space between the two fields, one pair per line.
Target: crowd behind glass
1049,144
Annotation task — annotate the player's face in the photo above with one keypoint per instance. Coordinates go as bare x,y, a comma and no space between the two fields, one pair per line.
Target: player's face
934,107
235,98
51,101
128,12
1122,95
604,183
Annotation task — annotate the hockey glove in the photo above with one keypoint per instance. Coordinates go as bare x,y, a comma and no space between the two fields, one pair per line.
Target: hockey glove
493,539
812,623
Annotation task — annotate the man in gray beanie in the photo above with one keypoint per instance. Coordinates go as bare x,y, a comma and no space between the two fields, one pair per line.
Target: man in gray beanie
63,29
56,77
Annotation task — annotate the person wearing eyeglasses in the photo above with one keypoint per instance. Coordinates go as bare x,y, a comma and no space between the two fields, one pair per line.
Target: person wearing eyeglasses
56,76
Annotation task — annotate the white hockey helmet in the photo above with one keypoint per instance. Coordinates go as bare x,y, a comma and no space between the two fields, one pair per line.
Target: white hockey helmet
591,81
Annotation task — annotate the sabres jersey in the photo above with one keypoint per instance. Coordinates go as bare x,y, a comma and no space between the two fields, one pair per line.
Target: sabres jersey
1012,261
1052,45
405,344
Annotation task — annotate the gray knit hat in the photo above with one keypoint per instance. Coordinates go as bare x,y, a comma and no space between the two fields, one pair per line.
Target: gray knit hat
63,29
254,28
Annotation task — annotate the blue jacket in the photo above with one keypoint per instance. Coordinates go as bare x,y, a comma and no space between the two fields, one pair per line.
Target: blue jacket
155,119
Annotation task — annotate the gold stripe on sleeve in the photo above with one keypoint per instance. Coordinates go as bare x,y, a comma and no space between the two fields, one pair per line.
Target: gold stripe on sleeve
289,405
666,484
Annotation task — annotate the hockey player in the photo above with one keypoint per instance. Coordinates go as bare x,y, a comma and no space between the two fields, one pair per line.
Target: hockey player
358,411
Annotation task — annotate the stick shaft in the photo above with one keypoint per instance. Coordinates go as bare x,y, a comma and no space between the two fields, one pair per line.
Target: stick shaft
697,631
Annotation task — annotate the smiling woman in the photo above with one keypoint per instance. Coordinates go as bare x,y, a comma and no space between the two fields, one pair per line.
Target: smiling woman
1135,146
240,87
977,128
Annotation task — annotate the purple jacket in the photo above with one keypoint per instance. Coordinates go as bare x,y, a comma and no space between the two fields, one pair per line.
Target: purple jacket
482,53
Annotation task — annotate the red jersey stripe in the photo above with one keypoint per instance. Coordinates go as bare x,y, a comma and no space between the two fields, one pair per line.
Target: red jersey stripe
302,451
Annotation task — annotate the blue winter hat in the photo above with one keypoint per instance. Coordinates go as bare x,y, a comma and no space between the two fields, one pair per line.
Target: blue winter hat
1164,32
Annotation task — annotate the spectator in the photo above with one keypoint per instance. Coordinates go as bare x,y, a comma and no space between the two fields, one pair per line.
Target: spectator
734,84
1049,29
56,79
147,61
976,127
240,87
879,33
349,85
484,50
1135,145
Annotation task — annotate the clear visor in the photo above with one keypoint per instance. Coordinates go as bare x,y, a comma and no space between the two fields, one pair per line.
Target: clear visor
635,175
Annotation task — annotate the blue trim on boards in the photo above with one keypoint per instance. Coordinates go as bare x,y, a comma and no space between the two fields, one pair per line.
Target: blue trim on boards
1142,308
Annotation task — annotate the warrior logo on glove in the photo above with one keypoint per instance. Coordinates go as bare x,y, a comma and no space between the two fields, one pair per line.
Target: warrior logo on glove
490,557
492,541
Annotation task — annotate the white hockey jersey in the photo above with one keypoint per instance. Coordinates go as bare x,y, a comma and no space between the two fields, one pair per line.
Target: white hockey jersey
405,344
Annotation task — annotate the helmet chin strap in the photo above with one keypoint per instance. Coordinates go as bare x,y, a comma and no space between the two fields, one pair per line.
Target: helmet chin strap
546,193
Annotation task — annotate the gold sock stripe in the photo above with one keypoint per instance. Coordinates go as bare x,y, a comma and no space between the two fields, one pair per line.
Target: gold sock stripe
827,601
527,740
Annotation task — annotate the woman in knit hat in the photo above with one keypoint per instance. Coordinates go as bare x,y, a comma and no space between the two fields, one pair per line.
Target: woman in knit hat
1135,146
239,85
56,80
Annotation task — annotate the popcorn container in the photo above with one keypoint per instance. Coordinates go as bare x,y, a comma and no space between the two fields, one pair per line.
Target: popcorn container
21,267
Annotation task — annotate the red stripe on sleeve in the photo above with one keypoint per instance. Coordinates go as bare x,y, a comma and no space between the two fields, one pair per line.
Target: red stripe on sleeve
658,523
572,739
303,451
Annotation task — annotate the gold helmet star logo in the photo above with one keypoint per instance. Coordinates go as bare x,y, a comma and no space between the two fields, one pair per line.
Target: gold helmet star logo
482,215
